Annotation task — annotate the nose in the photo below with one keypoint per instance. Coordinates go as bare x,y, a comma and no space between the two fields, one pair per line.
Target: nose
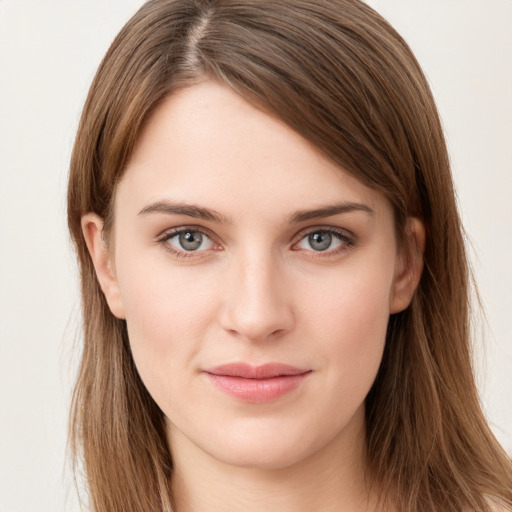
257,303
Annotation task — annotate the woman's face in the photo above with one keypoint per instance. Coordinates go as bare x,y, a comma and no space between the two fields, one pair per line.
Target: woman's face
256,279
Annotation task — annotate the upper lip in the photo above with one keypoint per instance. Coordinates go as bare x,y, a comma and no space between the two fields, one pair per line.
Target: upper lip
247,371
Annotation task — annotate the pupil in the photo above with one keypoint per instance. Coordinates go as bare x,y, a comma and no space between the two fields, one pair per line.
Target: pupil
191,240
320,241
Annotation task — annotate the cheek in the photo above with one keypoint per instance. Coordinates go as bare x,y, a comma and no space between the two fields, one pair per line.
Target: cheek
353,300
167,312
348,320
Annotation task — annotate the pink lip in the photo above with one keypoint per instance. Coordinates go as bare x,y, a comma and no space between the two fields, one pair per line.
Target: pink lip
256,384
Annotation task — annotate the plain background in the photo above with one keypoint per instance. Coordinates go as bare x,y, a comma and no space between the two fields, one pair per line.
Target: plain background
49,52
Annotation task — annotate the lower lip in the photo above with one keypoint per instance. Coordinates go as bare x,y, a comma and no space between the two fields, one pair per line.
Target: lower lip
257,390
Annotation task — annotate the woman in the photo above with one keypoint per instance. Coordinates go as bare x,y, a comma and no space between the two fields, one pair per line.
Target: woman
273,273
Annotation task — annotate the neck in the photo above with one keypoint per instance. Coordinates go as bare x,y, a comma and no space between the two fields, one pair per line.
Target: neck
331,479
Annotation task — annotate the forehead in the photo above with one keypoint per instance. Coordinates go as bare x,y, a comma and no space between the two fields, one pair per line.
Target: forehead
207,145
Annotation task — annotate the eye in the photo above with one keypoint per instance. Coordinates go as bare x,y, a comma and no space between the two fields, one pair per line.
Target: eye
324,240
188,240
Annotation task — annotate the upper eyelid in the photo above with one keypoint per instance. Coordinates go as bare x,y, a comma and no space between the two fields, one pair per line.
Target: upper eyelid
170,232
164,240
329,229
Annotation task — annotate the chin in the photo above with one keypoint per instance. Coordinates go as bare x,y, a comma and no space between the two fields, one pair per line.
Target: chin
267,457
272,447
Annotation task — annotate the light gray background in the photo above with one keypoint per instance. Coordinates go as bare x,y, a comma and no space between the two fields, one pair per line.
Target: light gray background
49,51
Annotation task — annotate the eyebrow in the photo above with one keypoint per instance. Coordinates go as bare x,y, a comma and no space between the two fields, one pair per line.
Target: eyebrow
330,210
198,212
190,210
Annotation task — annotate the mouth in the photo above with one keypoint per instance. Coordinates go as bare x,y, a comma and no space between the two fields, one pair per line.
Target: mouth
256,384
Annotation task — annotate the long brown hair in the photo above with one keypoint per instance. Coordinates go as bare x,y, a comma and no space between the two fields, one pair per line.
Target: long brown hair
339,75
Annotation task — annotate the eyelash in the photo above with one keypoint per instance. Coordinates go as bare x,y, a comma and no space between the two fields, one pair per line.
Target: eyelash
348,241
165,237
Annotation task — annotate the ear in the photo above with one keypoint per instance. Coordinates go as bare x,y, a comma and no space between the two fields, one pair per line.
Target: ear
102,259
409,265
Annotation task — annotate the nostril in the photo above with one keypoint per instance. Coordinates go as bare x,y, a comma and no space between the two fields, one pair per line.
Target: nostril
257,305
257,327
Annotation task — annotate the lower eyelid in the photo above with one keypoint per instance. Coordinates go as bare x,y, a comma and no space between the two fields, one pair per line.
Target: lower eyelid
341,236
180,253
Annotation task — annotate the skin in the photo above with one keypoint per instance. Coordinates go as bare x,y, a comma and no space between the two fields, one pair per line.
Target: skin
256,291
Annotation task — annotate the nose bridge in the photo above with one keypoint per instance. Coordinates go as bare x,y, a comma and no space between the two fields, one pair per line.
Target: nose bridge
257,305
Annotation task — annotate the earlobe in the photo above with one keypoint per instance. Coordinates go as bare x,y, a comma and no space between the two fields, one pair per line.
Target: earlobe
409,266
92,228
